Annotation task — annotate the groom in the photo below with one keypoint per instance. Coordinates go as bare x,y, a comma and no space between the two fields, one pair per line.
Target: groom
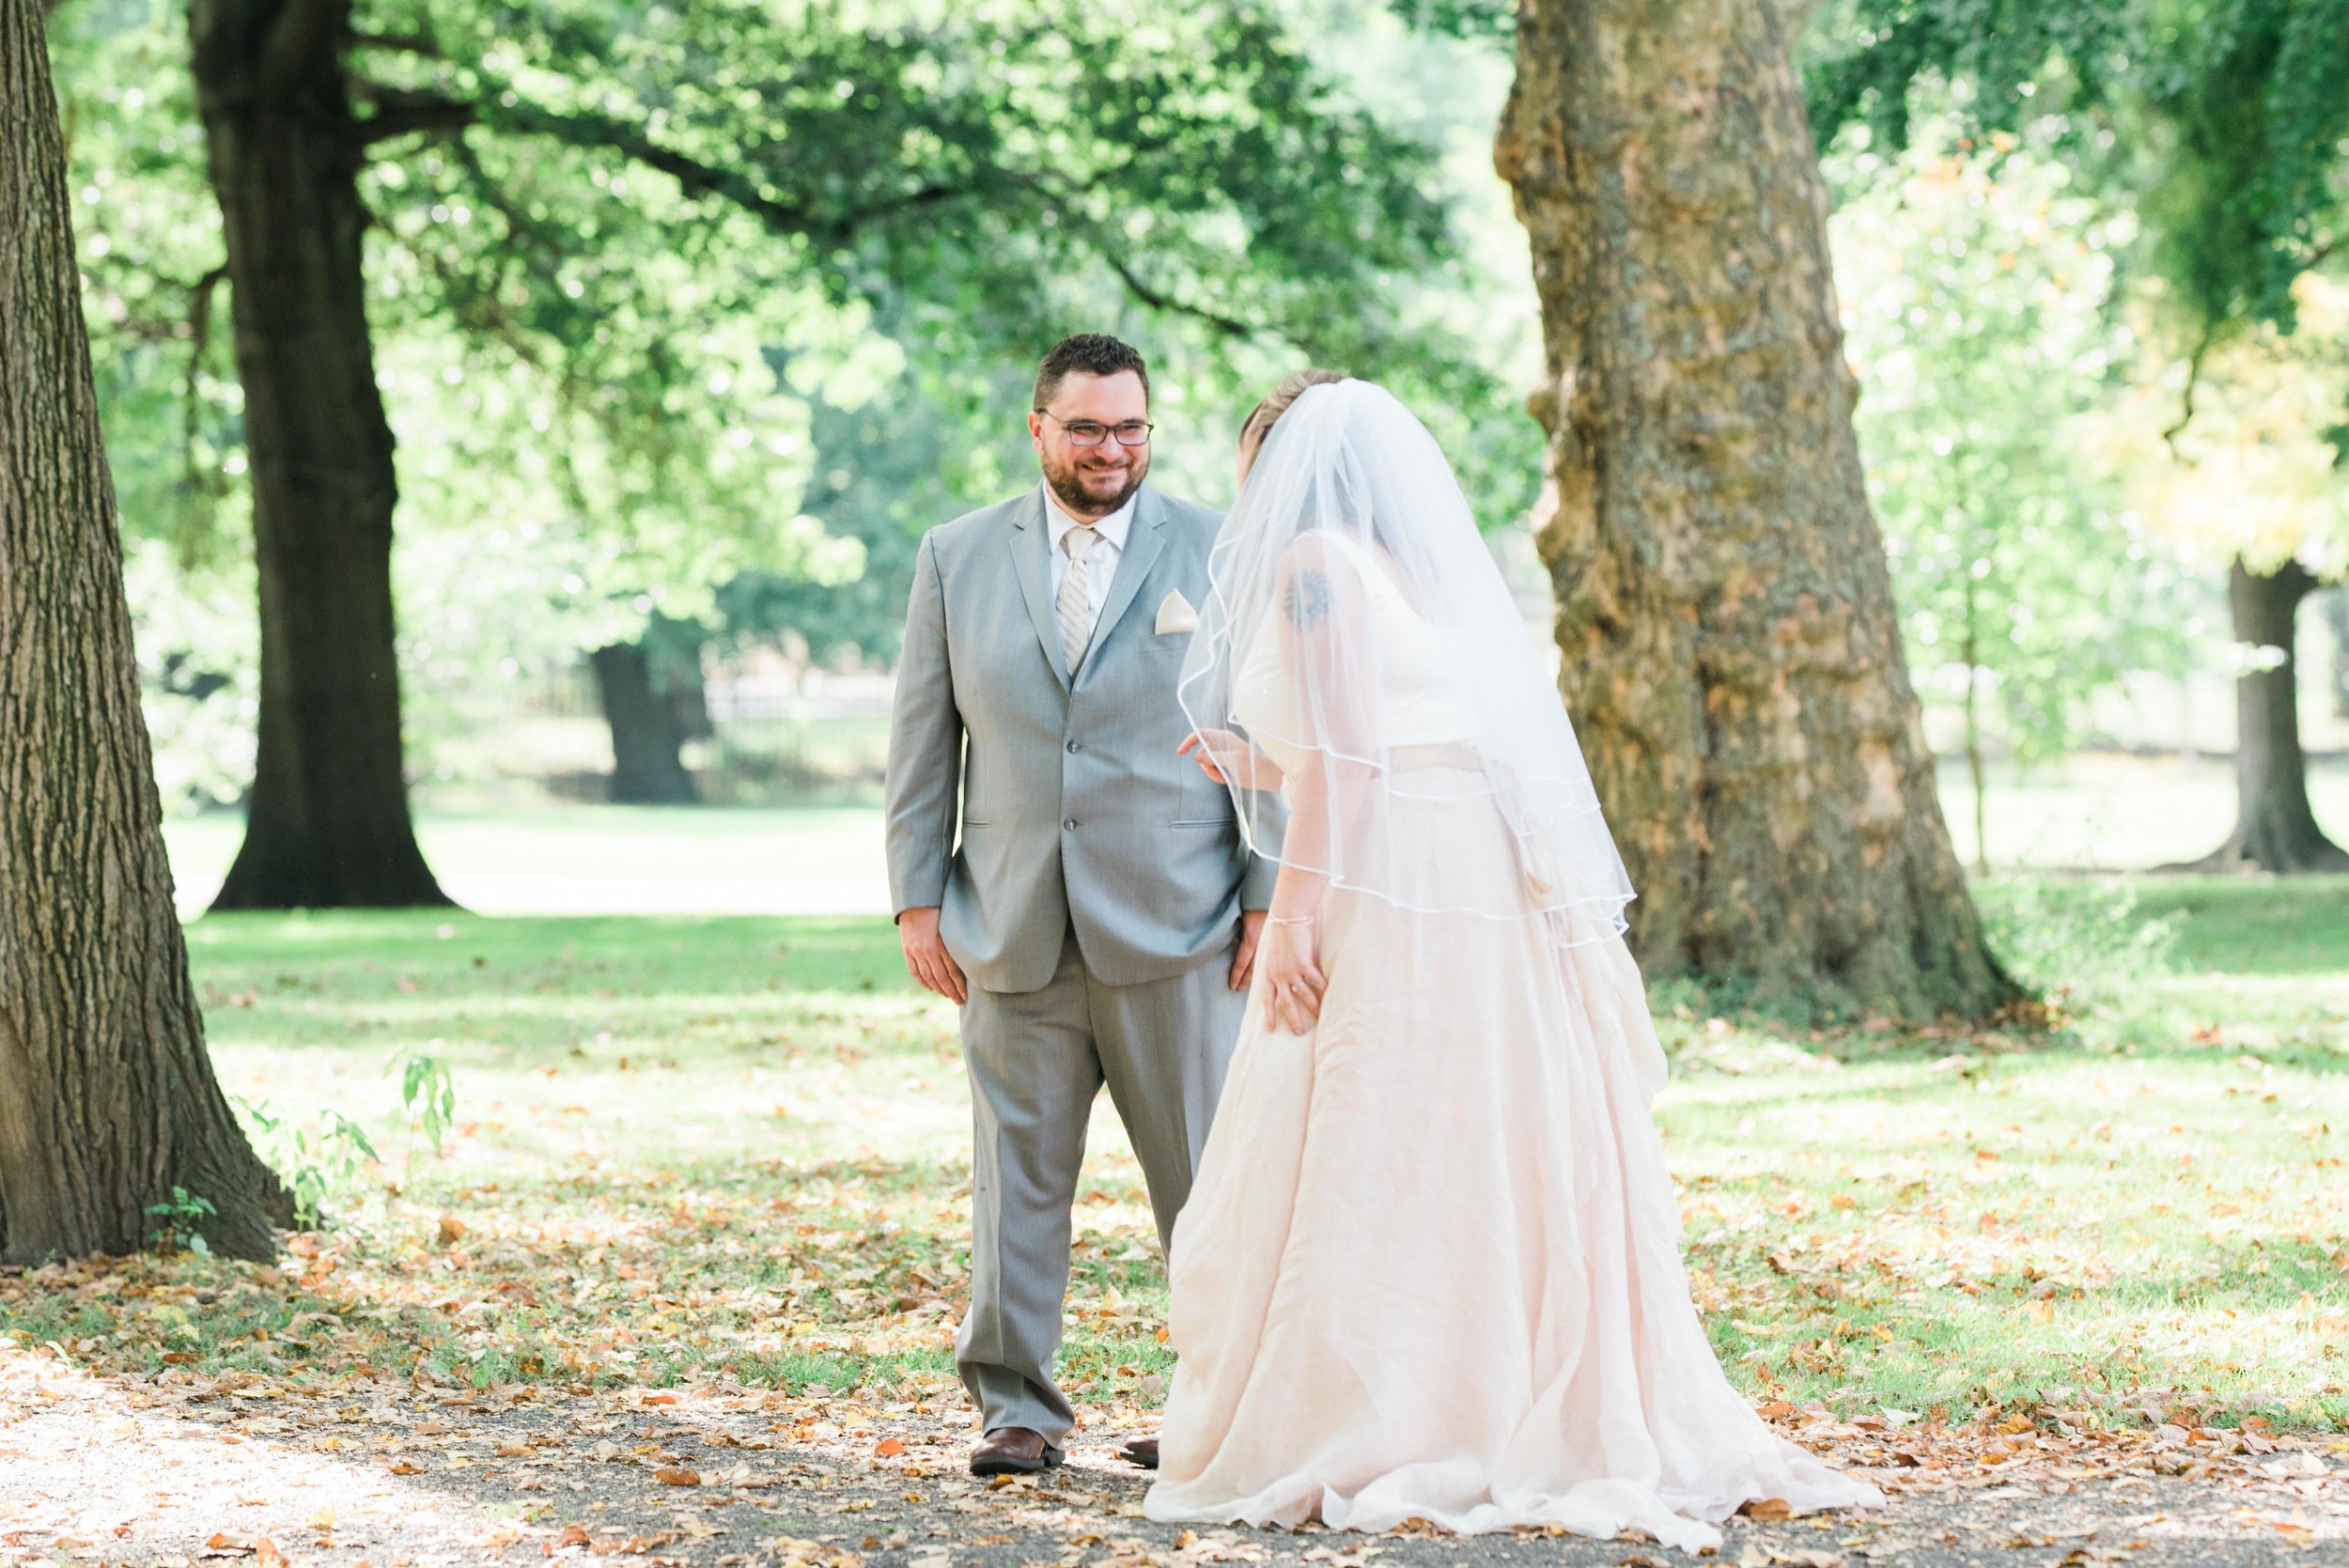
1097,919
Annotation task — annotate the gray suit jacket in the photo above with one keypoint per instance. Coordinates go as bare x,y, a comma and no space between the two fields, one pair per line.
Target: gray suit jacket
1074,810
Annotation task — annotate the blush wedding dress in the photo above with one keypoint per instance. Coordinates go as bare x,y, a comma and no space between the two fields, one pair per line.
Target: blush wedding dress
1430,1266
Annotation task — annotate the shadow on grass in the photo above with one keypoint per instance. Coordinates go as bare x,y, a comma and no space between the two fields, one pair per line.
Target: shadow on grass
361,953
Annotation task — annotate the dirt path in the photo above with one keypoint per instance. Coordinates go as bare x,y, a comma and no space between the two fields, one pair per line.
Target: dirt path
115,1470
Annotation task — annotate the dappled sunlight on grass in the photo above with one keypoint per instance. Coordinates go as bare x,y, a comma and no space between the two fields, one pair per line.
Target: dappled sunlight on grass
738,1149
2061,1224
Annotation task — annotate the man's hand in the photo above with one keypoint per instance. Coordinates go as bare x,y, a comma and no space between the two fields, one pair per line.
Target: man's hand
1244,961
932,967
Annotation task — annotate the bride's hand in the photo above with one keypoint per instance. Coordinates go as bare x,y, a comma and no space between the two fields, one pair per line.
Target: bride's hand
1291,977
1229,760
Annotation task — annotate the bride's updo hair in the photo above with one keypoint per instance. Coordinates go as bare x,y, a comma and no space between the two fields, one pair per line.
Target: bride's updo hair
1265,414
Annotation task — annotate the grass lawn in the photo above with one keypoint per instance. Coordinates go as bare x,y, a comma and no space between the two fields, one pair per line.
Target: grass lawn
2091,811
692,1149
612,860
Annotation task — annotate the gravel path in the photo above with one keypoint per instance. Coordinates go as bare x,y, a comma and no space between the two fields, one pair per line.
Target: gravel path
97,1471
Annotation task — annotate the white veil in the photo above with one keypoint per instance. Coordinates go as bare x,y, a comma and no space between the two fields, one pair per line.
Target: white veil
1359,635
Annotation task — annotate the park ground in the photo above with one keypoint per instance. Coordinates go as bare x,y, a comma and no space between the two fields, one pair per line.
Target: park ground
654,1251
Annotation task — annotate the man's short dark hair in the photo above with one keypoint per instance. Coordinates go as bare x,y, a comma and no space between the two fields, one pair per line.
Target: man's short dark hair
1093,353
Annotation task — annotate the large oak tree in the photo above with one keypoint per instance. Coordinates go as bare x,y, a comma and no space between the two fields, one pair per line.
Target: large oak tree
1730,647
108,1105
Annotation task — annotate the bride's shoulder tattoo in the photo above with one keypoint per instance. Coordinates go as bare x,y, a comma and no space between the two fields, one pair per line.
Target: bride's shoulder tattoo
1307,601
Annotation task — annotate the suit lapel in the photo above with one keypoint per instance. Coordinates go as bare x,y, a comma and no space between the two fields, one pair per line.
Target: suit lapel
1030,545
1143,544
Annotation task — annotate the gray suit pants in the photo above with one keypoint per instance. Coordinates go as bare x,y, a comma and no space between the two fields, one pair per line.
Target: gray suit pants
1037,1060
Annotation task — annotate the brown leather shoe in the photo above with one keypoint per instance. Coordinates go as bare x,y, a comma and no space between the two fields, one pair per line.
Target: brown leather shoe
1143,1452
1013,1451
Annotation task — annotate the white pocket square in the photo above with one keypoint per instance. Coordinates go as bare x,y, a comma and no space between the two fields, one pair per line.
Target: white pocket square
1175,614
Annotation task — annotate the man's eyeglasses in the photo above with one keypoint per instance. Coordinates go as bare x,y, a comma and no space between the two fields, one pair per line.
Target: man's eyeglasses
1087,432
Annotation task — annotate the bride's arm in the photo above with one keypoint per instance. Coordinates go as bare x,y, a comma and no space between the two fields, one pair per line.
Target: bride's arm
1328,650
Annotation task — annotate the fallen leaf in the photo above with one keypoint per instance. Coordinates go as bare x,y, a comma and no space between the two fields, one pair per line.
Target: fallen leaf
452,1229
888,1448
677,1475
1767,1508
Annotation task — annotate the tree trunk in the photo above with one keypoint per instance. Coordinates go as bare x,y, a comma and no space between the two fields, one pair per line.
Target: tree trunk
648,729
327,824
107,1098
1724,609
1973,734
2275,829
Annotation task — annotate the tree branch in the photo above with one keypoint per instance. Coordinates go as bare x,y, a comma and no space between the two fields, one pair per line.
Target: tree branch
191,407
1156,298
601,131
402,111
2193,379
606,134
1159,300
200,304
421,44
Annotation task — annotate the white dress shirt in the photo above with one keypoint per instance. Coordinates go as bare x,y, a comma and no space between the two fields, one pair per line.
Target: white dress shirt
1100,561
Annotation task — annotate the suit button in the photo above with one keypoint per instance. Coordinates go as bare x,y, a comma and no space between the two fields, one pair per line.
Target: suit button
1076,746
1070,824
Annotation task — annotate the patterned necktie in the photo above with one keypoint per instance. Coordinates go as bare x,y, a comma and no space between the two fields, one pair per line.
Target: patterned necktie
1076,595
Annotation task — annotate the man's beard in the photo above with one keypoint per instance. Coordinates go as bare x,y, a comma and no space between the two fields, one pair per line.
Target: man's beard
1068,486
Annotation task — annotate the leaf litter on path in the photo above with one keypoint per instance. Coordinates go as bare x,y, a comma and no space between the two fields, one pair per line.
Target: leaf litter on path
173,1468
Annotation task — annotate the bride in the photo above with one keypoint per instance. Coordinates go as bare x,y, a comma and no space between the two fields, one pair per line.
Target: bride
1431,1266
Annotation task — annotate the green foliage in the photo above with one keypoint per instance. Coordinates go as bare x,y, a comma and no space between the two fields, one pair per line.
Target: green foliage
626,261
318,1158
157,313
2227,116
1977,289
1492,20
2089,938
925,449
428,1092
181,1214
155,303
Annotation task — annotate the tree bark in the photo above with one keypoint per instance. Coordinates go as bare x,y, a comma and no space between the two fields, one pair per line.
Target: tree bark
651,723
1973,733
327,824
107,1097
2275,828
1724,609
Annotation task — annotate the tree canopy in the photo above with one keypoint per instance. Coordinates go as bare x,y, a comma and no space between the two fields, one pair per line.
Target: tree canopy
622,263
2227,118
